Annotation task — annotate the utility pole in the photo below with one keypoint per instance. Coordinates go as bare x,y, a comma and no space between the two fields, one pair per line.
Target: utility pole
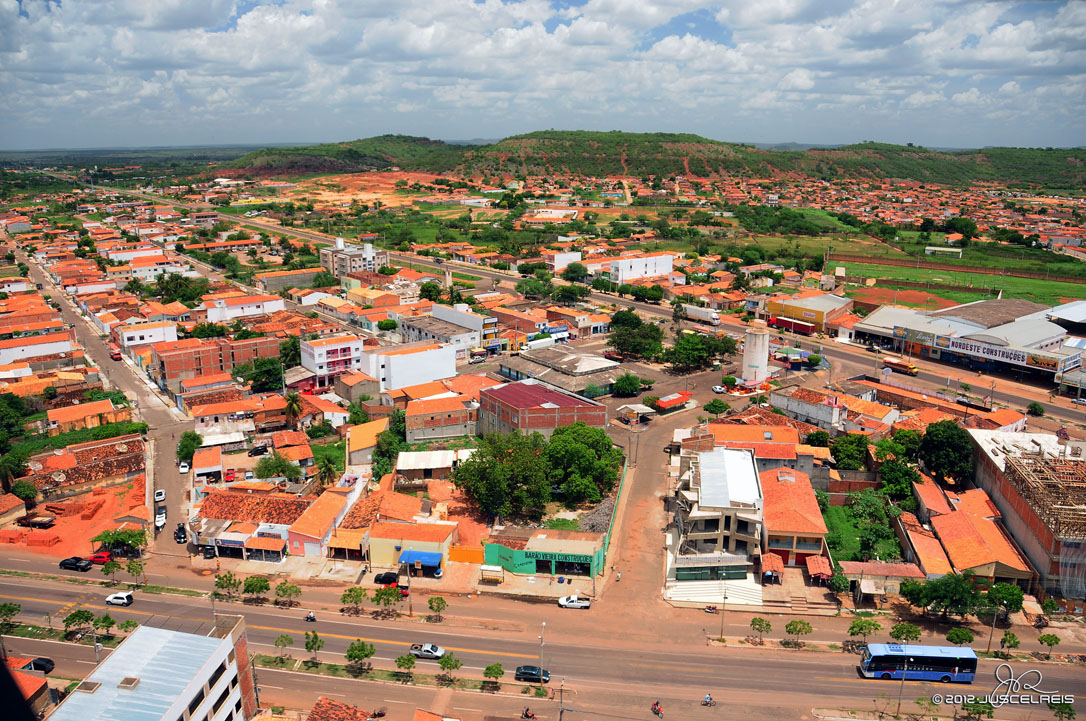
722,606
561,699
901,688
542,631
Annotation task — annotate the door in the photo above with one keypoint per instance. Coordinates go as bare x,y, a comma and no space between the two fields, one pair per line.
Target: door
312,549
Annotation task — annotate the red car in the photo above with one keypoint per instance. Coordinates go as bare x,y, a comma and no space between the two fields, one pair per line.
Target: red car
612,355
228,477
404,591
101,558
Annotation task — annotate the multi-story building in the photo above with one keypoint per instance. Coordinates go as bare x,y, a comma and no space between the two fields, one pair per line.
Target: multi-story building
162,675
329,357
343,259
461,314
439,419
173,362
531,406
431,329
717,530
409,365
144,333
818,310
227,310
794,528
649,265
38,346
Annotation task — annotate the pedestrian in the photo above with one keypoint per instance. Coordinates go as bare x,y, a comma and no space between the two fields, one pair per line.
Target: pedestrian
619,575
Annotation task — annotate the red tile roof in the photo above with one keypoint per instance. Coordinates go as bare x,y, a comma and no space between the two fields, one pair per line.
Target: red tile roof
532,395
226,505
971,541
327,709
932,496
929,552
790,503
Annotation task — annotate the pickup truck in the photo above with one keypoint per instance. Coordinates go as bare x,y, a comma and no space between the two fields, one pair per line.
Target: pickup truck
427,650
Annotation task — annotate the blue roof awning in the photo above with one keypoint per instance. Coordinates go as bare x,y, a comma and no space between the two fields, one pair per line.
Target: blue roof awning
426,558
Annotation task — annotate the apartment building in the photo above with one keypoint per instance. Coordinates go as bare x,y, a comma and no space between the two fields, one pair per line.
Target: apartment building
329,357
227,310
425,328
343,259
162,675
649,265
173,362
409,365
461,314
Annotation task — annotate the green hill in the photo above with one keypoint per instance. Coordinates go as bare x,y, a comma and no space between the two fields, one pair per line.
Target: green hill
591,153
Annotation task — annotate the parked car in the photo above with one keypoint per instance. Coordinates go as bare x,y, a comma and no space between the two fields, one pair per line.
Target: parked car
383,579
75,563
612,355
719,389
1079,401
228,476
160,517
43,664
209,551
180,535
101,558
574,601
183,468
124,598
249,475
160,495
258,451
37,521
532,674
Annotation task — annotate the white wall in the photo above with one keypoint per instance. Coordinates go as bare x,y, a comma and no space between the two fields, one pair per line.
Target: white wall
460,315
624,270
29,350
561,260
221,312
410,369
138,335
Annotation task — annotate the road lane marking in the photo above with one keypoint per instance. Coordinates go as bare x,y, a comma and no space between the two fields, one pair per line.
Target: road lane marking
401,643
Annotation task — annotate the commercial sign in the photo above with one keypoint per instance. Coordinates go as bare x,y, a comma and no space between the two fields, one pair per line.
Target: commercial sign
900,331
922,337
989,351
559,557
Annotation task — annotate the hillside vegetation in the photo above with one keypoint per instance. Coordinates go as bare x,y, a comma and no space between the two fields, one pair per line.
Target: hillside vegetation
616,153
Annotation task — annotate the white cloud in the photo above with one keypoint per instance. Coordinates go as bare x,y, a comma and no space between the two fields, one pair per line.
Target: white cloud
175,71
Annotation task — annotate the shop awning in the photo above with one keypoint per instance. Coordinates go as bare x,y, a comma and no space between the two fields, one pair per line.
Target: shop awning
266,543
426,558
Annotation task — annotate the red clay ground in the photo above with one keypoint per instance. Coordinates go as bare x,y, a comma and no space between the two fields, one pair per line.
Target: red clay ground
472,524
919,298
72,533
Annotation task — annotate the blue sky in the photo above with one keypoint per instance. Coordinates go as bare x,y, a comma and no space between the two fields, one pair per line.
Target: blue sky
951,73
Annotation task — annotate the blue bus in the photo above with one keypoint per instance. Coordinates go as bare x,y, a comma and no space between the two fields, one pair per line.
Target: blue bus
919,663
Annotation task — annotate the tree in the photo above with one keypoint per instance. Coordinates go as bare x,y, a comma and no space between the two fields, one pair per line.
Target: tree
128,626
905,632
1049,639
124,540
909,442
1009,642
820,439
437,606
104,623
209,330
387,325
324,279
1049,606
327,471
1008,597
448,664
1035,409
293,408
797,628
277,466
290,352
134,568
849,451
49,393
1062,710
24,490
716,407
353,598
110,568
953,594
814,360
897,479
8,612
592,391
978,709
947,451
430,291
385,597
406,663
959,635
838,582
188,445
504,476
864,627
358,656
282,641
286,594
730,382
760,626
228,583
575,273
313,643
626,384
689,353
494,673
256,586
78,619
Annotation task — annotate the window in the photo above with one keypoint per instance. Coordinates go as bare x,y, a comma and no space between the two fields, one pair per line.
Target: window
220,700
196,701
217,675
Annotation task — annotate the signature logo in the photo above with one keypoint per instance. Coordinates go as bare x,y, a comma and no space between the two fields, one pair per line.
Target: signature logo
1011,687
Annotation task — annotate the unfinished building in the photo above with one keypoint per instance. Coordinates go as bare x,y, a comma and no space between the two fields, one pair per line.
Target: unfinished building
1039,487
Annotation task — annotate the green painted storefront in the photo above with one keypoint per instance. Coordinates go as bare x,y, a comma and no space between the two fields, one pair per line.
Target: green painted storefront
544,562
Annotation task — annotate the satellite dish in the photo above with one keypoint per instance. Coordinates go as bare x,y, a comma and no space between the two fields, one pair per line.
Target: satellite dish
58,476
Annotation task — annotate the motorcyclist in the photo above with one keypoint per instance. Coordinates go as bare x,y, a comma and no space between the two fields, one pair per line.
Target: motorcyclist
310,616
527,713
708,699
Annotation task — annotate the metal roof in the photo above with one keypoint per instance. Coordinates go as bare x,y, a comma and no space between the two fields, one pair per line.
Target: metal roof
728,476
165,662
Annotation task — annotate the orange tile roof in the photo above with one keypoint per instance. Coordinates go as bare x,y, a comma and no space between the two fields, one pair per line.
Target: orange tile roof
385,503
207,457
335,340
422,532
422,390
406,351
1004,416
469,385
320,516
83,410
932,496
29,684
265,543
296,453
790,503
435,405
971,541
977,502
929,552
724,432
365,435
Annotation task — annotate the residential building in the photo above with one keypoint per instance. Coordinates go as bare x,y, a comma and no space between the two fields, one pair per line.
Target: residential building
343,259
85,415
227,310
394,544
309,535
163,675
362,439
649,265
329,357
173,362
440,419
793,524
532,406
431,329
409,364
717,531
82,467
37,346
277,280
136,334
486,326
352,385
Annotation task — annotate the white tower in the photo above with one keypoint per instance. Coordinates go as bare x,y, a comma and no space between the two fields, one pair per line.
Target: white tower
756,353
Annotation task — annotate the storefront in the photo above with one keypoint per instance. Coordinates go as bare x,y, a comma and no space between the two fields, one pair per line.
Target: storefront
546,552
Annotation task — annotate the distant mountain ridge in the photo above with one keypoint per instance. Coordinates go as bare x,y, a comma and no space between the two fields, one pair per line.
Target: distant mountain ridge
616,153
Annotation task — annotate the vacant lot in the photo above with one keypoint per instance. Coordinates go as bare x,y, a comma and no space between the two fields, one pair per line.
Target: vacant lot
914,298
1042,291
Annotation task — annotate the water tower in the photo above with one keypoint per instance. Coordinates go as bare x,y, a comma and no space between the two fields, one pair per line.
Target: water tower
756,353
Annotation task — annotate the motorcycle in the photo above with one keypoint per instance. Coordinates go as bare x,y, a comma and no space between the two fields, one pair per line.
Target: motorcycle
377,714
310,618
711,609
657,710
526,714
709,702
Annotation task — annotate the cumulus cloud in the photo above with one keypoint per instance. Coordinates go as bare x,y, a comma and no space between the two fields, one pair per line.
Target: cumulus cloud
179,72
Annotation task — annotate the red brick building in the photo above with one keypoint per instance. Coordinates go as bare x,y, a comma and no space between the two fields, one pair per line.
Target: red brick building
175,361
532,406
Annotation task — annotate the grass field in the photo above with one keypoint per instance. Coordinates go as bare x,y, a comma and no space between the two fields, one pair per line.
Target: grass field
844,537
1042,291
336,451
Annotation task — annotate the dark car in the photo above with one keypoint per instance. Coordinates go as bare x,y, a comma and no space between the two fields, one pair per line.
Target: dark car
532,674
43,664
383,579
180,535
75,563
258,451
209,551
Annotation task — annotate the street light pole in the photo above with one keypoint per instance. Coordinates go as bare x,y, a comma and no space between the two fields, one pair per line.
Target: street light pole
542,631
901,688
722,606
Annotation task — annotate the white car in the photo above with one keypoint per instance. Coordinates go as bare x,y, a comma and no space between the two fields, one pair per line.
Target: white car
249,475
183,468
119,599
574,601
160,495
160,517
719,389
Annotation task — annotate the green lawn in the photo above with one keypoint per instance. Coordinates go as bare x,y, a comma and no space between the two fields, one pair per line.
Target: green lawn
1042,291
843,540
336,451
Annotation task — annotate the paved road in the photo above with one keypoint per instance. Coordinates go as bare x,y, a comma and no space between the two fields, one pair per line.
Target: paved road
598,675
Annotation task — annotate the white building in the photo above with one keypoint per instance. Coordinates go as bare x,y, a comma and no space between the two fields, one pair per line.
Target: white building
144,333
97,286
162,675
558,261
328,357
650,265
400,366
344,259
17,349
431,329
226,310
143,250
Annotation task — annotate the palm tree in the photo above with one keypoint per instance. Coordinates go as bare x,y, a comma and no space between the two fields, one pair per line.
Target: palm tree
293,408
327,472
